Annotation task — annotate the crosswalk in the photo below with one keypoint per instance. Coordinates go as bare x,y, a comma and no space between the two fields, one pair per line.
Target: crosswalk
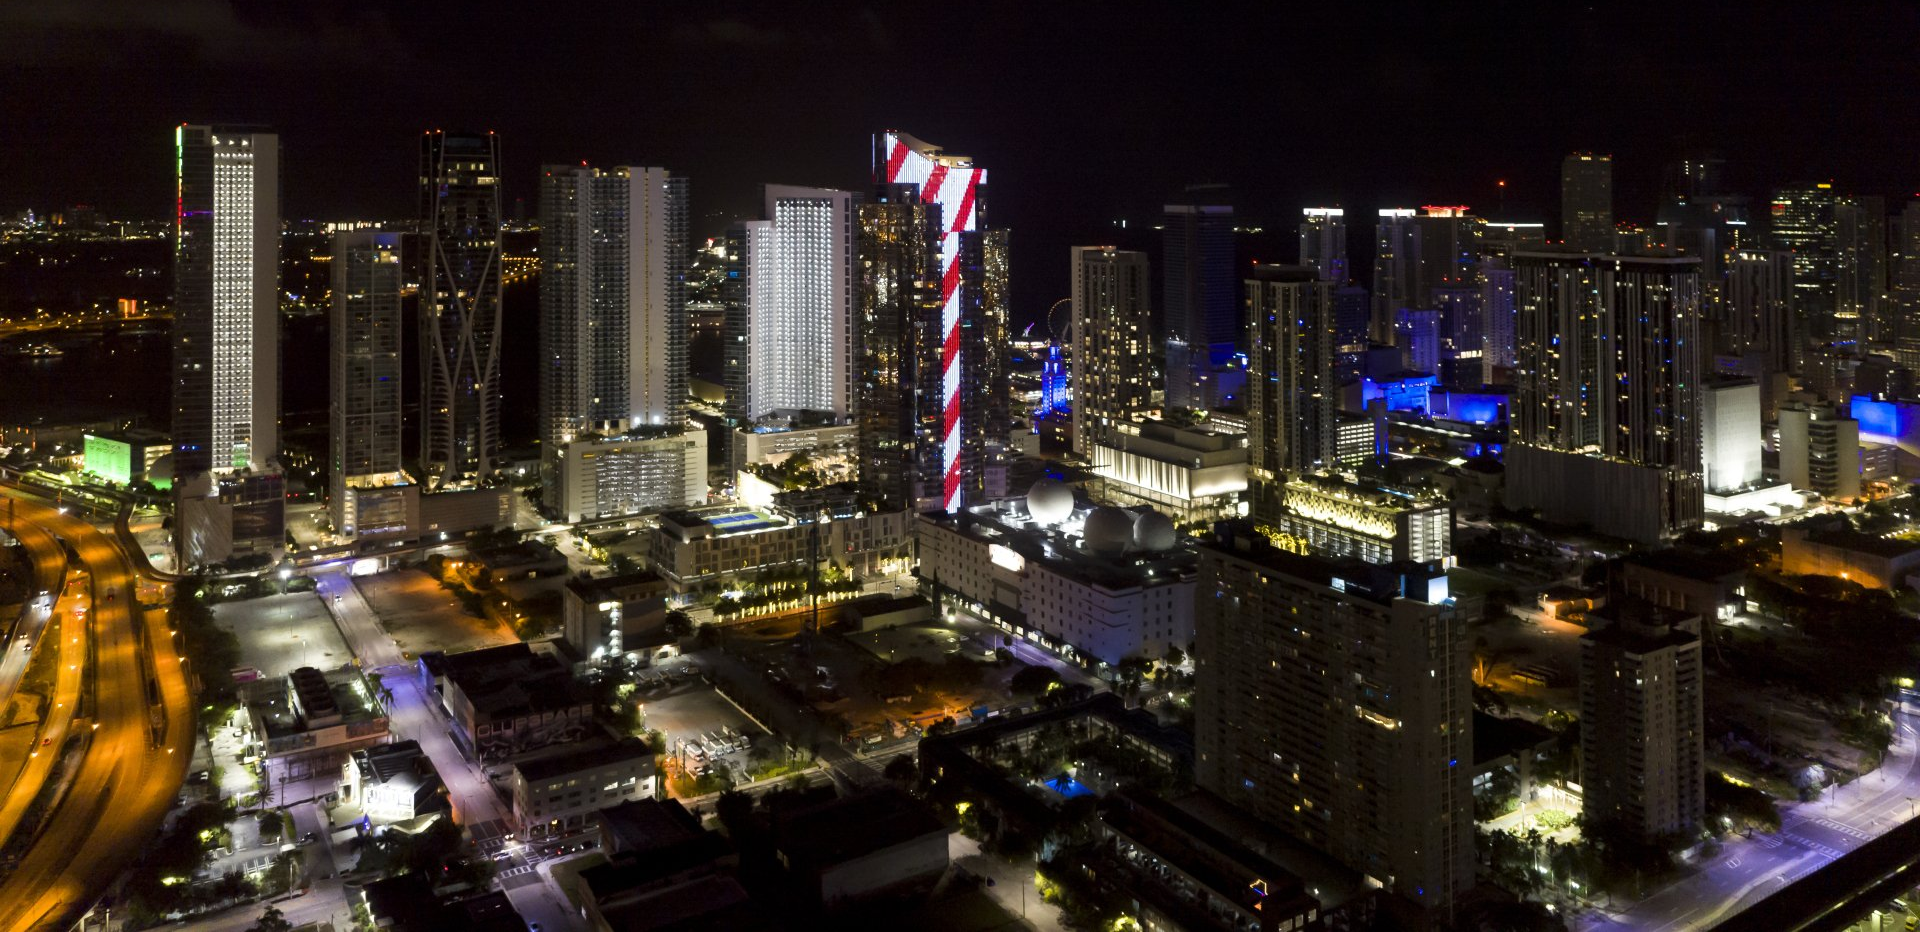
1843,829
1813,846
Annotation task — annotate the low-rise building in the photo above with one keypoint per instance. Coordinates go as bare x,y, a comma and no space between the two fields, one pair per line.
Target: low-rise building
827,445
1181,873
615,616
855,847
525,560
1373,523
709,551
557,792
1193,476
1507,755
606,477
392,782
409,902
876,612
458,511
124,456
217,518
1101,583
313,715
508,700
1873,562
1696,583
664,872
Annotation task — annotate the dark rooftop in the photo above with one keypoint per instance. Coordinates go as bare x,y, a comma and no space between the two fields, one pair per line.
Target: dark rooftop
1686,563
840,830
581,757
1496,737
648,824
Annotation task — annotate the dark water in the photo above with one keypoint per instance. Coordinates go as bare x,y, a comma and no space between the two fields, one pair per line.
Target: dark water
100,377
125,374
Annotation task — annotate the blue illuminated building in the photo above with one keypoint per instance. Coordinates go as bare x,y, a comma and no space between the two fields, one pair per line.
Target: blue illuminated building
1054,397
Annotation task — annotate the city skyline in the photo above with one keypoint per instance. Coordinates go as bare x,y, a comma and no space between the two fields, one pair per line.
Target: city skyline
1466,477
1769,139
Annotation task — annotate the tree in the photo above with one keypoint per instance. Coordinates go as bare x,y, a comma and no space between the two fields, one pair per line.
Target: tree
679,624
271,921
1033,680
902,769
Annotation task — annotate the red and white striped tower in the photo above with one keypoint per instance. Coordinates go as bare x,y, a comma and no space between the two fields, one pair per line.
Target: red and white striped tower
952,183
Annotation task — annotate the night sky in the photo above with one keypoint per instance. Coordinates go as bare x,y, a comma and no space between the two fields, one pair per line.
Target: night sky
1082,112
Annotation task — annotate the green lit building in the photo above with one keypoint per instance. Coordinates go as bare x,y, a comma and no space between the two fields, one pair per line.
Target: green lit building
127,456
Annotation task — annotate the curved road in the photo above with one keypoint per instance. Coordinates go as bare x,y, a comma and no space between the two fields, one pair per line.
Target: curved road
125,782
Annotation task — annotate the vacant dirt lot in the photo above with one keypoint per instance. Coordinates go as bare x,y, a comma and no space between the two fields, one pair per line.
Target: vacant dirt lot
423,616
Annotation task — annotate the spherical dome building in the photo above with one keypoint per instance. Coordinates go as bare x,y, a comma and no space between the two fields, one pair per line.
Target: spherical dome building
1108,530
1050,501
1154,531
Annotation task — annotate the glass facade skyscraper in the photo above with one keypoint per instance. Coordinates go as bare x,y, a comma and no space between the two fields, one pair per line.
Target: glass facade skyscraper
1204,326
459,305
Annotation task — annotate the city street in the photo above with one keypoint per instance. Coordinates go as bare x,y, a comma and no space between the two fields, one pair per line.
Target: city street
1812,835
415,714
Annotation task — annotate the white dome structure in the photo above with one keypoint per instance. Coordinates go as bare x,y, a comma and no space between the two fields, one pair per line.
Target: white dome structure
1050,502
1154,531
1108,530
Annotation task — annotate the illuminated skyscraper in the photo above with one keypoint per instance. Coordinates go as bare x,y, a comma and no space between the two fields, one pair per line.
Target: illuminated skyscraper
1204,327
1112,340
1416,252
613,323
1323,242
798,268
613,334
1903,285
226,343
1860,270
1290,385
1586,202
1497,314
1803,225
369,494
459,305
226,313
898,311
1397,281
1606,423
932,296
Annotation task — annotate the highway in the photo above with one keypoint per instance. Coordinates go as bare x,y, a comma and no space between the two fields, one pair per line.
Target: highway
1812,836
49,574
123,781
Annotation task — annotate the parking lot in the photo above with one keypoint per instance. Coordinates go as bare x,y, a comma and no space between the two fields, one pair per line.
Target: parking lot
279,633
696,711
